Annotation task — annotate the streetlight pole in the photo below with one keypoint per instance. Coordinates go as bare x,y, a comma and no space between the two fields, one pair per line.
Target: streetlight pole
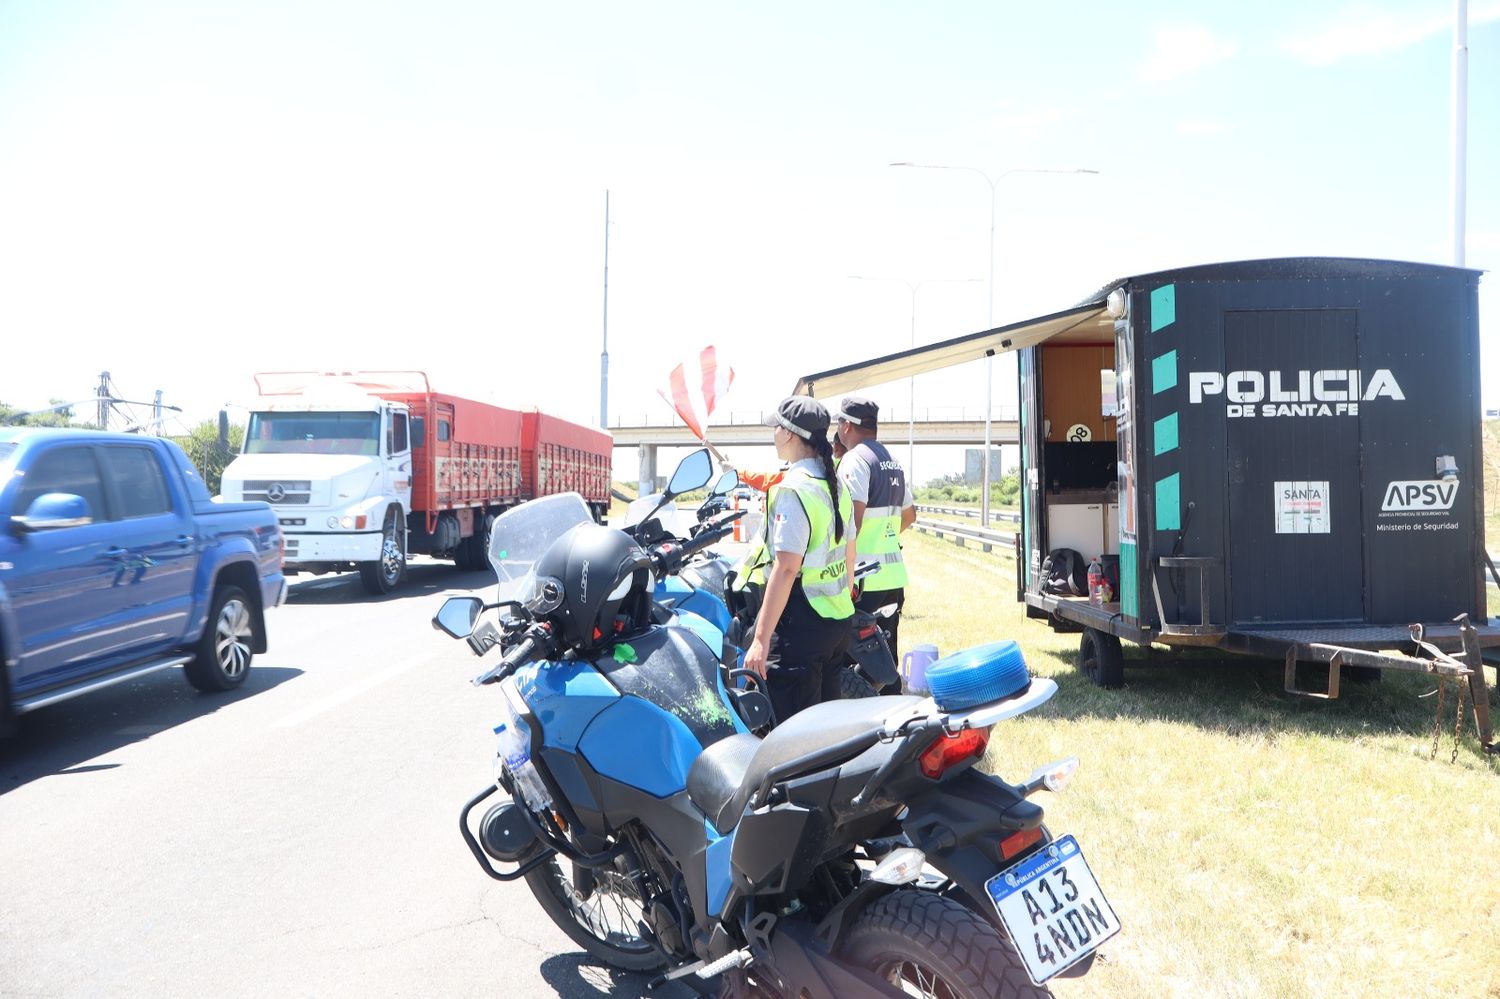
604,349
911,382
1460,125
989,359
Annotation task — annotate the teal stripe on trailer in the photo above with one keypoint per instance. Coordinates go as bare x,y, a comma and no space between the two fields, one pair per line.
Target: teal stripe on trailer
1164,372
1130,604
1164,434
1169,503
1163,307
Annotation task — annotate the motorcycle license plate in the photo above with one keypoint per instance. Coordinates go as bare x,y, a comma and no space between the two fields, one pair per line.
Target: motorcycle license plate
1053,909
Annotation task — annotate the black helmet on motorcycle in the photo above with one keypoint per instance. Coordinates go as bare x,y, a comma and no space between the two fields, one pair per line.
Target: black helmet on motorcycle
606,586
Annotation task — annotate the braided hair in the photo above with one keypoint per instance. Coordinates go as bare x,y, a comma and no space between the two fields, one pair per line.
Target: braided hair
824,450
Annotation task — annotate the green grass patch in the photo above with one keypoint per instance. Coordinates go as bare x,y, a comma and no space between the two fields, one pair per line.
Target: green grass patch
1252,843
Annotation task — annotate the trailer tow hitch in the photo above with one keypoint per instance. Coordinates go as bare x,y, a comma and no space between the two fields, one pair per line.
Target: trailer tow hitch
1470,669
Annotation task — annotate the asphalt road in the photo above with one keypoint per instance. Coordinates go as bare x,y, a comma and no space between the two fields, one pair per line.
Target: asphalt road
295,837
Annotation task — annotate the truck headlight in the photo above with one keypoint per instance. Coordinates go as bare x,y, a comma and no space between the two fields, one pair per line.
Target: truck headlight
353,522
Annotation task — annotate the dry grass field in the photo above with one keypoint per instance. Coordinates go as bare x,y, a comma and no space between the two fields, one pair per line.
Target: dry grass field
1253,843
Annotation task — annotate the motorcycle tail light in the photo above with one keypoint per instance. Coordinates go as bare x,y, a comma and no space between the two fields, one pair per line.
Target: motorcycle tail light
867,631
948,751
1017,842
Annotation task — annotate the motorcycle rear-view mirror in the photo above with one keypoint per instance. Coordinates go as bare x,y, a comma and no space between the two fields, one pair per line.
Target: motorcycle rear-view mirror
693,472
725,483
458,615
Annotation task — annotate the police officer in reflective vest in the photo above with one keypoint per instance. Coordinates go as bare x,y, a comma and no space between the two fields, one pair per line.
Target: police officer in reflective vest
800,566
883,507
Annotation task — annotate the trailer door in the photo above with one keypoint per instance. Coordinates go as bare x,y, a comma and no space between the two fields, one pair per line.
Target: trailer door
1032,436
1290,395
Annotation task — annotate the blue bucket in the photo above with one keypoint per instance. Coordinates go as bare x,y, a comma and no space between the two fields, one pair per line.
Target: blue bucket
978,676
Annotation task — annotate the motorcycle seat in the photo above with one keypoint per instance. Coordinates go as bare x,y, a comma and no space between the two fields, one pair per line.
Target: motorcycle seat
725,774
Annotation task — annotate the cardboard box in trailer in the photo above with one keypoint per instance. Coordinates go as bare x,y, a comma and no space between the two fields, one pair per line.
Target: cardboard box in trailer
364,468
1283,456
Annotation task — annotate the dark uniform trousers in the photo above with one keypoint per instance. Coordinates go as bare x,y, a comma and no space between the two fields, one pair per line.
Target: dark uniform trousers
807,651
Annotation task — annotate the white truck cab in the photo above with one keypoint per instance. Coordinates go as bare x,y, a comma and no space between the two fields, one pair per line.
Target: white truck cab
335,464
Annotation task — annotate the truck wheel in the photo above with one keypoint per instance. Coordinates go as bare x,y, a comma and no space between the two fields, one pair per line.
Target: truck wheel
473,554
384,576
222,658
482,543
1101,659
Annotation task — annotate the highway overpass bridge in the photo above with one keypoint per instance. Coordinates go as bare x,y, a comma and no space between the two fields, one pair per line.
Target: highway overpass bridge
930,426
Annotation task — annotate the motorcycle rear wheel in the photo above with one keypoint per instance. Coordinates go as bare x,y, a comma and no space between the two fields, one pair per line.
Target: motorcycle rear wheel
852,685
606,923
931,945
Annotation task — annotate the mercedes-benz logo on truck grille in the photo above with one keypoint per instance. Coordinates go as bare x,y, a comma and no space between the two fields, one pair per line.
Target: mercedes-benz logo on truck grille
276,493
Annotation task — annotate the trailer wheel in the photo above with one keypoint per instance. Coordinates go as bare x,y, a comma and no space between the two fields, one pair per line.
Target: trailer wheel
1101,659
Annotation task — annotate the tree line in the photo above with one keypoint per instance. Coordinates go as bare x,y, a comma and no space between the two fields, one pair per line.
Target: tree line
201,443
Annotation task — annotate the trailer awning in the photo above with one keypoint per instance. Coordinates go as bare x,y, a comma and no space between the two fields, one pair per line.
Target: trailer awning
1081,324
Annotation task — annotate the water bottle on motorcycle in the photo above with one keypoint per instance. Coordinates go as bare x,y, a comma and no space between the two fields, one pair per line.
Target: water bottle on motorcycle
516,756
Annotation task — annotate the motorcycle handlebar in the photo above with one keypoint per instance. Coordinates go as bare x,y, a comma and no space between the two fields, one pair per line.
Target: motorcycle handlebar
670,556
513,660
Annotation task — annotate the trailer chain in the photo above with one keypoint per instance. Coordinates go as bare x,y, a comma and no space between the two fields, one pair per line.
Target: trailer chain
1437,718
1458,719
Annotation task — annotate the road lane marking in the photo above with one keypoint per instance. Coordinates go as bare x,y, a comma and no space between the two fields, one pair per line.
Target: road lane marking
345,695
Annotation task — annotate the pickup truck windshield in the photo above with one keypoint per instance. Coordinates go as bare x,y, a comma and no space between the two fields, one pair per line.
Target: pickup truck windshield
313,433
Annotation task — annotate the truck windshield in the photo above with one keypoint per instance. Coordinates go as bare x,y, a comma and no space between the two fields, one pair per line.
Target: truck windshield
313,433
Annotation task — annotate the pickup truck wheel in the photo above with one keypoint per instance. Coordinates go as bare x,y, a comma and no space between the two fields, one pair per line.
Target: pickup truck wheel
384,575
222,659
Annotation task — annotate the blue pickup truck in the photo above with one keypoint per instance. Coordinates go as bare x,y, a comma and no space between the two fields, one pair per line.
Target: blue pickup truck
115,562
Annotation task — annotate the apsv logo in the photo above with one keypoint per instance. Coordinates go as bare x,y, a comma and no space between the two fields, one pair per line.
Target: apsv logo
1419,495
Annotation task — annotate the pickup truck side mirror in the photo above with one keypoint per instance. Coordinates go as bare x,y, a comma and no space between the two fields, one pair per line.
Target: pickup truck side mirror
50,511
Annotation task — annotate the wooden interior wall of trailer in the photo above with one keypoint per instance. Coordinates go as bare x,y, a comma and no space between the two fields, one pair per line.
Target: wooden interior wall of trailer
1071,394
1079,473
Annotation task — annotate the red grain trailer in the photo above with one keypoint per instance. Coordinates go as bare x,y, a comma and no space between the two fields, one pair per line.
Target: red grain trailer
466,469
562,457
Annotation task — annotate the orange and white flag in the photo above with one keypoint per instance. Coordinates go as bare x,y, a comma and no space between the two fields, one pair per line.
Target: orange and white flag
696,387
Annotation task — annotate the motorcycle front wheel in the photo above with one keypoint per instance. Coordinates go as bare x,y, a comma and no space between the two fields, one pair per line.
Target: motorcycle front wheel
933,946
599,909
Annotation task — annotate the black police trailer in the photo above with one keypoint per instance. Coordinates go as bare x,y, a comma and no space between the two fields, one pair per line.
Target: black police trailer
1283,456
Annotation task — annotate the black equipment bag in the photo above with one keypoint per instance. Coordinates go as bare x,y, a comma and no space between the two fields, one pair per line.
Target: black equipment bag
1065,574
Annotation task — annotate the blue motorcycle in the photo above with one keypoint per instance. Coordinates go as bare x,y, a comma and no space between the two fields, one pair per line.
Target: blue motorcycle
854,851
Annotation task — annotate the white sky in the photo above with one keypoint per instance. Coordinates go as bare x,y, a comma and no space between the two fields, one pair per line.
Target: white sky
192,192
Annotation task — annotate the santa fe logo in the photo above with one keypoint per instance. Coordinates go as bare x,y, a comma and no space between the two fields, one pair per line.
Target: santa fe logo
1331,392
1419,495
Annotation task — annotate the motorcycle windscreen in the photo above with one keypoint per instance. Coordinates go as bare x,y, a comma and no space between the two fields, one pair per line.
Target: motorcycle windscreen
672,668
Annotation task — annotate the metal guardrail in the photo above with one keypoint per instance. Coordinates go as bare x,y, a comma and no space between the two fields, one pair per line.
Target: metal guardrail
996,542
962,511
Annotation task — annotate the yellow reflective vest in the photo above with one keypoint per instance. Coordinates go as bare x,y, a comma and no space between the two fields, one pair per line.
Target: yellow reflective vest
825,570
